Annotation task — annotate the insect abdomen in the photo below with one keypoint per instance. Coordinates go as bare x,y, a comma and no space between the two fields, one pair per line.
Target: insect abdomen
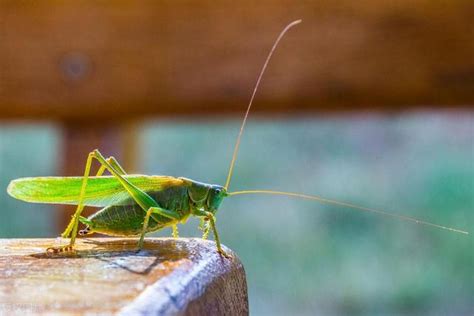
121,220
127,220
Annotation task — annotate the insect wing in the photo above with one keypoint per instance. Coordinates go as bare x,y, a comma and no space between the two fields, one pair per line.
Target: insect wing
100,191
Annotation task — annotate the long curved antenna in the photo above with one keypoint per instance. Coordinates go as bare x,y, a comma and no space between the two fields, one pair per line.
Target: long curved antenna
237,144
360,208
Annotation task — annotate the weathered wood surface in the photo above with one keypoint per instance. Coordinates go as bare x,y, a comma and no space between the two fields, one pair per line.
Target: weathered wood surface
108,276
91,60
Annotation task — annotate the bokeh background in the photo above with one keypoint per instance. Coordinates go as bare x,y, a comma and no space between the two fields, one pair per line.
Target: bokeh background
364,103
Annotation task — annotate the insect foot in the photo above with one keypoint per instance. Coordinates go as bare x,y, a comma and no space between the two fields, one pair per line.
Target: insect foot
56,250
224,254
85,231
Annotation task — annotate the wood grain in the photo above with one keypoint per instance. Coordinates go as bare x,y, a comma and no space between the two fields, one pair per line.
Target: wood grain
107,275
96,60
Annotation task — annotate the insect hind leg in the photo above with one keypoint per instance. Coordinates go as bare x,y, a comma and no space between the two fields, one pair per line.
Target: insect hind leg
56,250
146,202
114,163
85,231
72,226
140,197
112,166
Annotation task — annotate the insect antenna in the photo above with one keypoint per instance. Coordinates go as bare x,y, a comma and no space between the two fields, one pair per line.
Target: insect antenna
348,205
237,144
305,196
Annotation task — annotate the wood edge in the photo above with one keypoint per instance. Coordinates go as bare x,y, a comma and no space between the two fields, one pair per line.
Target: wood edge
179,292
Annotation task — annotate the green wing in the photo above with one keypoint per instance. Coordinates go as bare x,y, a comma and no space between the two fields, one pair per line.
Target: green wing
100,191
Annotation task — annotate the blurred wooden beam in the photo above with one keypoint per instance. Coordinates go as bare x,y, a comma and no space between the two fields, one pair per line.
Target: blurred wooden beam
78,140
90,60
108,276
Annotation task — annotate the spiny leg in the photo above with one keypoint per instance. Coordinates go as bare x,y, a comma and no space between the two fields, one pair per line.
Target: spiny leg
175,233
204,226
155,210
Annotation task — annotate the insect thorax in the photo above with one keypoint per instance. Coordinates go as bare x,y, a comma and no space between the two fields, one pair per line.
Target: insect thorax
204,197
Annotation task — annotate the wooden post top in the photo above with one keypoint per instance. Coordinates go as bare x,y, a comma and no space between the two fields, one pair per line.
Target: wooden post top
107,275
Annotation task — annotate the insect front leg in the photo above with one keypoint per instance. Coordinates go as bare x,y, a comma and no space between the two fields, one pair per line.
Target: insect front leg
204,226
209,217
212,221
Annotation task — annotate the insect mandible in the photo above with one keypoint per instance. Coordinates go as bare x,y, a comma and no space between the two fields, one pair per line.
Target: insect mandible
133,205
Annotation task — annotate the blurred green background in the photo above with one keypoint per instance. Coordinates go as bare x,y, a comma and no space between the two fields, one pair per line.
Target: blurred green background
366,102
301,257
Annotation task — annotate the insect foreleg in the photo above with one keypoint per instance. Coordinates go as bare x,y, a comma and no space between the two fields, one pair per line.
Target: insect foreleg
204,226
208,216
212,221
155,210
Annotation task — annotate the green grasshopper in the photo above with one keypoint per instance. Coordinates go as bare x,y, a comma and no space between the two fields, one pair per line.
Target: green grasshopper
133,205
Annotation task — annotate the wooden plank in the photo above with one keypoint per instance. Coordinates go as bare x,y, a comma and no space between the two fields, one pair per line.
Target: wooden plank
105,275
84,60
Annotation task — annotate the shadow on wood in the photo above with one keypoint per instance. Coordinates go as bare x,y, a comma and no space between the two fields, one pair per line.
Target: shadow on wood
108,275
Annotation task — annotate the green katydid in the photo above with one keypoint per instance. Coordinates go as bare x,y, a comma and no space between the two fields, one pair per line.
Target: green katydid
133,205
